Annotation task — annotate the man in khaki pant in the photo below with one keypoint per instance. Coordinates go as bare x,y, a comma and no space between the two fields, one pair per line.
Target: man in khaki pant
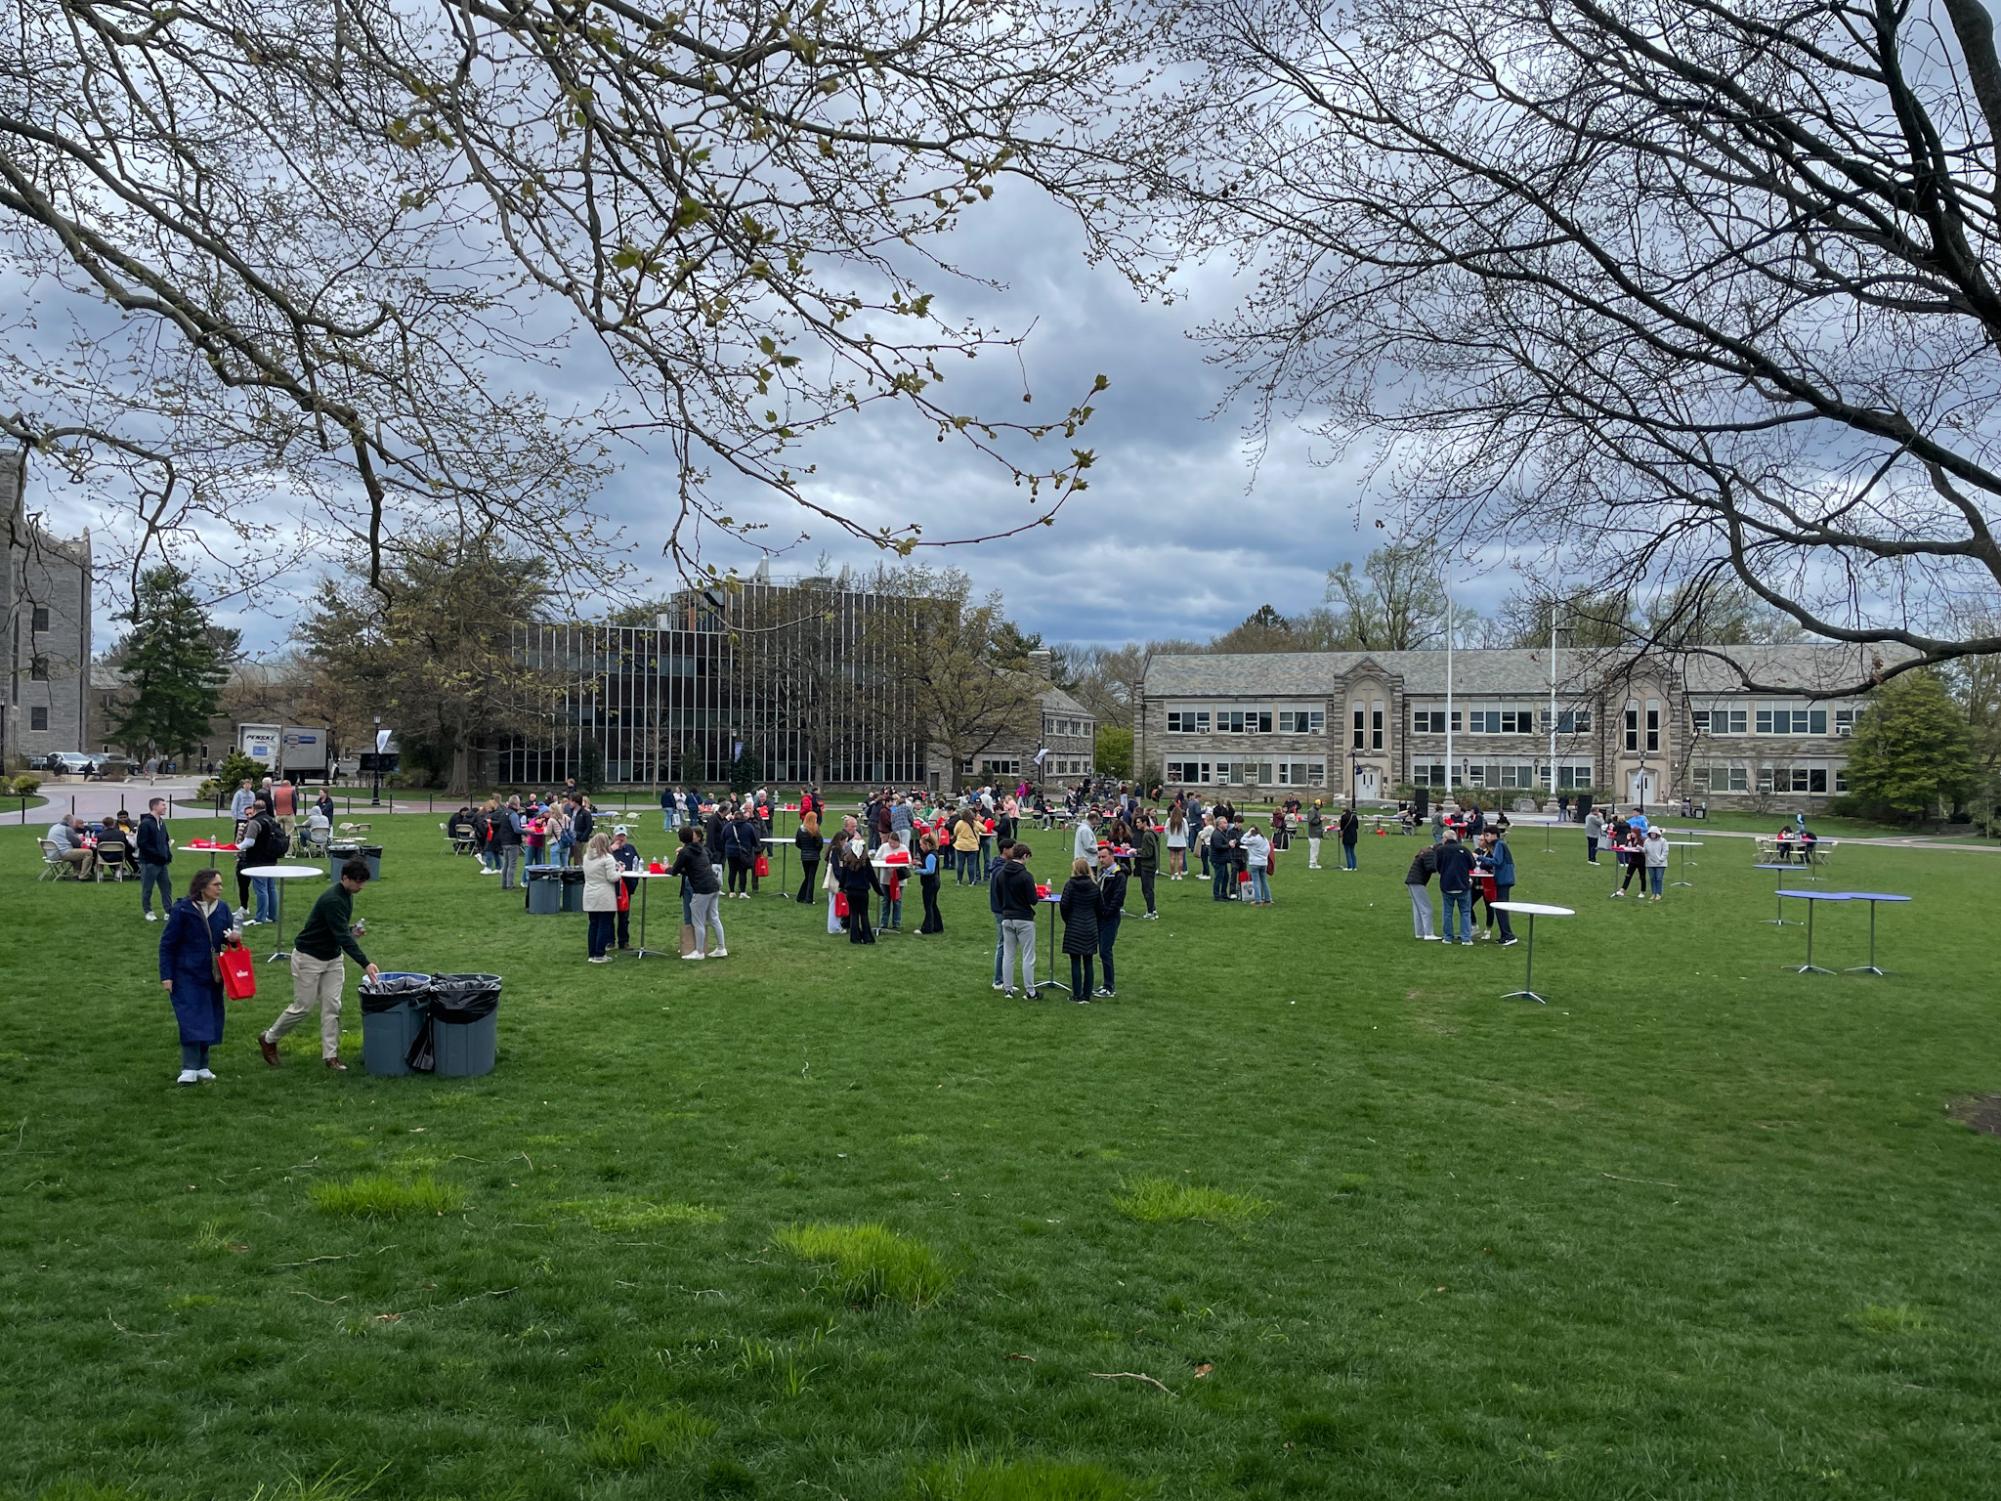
318,975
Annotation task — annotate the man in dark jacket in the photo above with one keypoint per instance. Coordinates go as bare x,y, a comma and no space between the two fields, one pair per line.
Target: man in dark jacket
1223,845
1455,887
156,853
1146,864
1015,892
1499,861
1418,881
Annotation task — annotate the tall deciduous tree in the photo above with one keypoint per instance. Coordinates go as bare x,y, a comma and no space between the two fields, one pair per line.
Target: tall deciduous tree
1704,291
174,664
436,661
338,237
954,653
1396,601
1912,755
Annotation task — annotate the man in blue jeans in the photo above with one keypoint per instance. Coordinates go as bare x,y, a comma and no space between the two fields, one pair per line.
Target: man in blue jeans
156,853
1455,888
1223,843
994,903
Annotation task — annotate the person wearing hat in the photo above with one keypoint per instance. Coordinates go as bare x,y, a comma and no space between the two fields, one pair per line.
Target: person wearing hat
627,856
1455,888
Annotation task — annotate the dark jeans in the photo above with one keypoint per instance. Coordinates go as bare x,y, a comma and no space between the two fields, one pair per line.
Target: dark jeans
739,874
624,914
1590,849
1108,934
242,890
1348,854
807,867
1634,868
602,925
1219,886
933,923
1080,975
969,868
1146,875
858,928
151,876
194,1055
1501,894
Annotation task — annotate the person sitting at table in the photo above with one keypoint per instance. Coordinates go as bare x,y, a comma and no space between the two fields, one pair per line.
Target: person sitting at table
319,829
66,834
1785,844
1807,840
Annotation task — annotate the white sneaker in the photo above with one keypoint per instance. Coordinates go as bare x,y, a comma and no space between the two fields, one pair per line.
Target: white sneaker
693,956
188,1076
152,917
205,1075
597,959
1431,938
719,953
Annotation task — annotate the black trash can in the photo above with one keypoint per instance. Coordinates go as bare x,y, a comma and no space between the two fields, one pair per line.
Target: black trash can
372,853
573,889
464,1024
393,1010
543,888
338,855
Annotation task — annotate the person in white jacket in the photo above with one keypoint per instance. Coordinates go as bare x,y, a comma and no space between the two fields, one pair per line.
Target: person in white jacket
1085,847
601,881
1656,848
1257,856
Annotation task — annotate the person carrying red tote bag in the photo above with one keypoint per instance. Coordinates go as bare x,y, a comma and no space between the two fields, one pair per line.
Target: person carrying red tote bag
238,971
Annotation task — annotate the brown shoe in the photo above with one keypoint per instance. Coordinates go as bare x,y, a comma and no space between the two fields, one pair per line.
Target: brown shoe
268,1048
336,1065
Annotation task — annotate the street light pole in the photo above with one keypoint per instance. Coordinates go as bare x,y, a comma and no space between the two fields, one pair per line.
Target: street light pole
375,797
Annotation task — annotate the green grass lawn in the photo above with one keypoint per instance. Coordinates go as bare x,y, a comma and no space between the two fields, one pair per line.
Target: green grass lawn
1307,1211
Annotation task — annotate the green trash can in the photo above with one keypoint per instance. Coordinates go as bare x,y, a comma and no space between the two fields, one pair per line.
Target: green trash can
465,1019
542,886
393,1010
573,889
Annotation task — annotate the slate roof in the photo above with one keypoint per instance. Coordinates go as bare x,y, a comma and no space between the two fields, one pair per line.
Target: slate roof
1806,669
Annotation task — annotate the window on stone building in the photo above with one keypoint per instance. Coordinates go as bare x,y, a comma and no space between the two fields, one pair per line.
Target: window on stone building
1375,726
38,718
38,669
1653,725
40,621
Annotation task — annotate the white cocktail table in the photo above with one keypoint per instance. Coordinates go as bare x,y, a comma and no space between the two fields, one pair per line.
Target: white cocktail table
1530,910
281,874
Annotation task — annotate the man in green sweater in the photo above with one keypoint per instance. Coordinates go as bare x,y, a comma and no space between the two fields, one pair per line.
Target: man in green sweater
318,975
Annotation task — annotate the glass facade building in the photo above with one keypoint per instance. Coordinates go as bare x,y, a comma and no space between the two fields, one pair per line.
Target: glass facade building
795,678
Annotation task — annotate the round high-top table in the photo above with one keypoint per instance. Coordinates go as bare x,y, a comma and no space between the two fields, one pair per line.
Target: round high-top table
1530,910
281,874
643,876
1781,921
1872,898
1685,845
1812,900
1052,901
784,887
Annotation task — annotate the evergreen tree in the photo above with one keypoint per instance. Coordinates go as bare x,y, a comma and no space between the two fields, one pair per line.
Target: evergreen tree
175,664
1912,756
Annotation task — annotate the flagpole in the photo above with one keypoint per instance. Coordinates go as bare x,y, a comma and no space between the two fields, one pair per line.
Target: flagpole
1552,698
1448,696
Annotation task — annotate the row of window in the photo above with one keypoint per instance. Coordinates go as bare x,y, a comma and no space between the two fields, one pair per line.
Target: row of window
1736,776
1052,725
1010,766
1508,775
1772,721
1247,773
1520,720
1246,721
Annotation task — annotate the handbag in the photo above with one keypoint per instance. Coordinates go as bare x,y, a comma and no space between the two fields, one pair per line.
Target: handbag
761,867
239,973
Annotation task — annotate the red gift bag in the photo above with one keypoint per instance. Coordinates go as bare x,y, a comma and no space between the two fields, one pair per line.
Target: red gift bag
239,973
840,904
762,868
1243,878
624,897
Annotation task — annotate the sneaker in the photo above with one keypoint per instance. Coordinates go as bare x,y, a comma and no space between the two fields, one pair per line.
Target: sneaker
1081,1000
719,953
152,917
1618,893
1431,938
205,1075
1110,995
334,1065
1031,995
1007,989
999,986
1101,992
694,956
188,1076
598,959
1508,943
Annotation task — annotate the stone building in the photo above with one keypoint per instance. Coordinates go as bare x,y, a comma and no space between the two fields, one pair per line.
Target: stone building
45,608
1633,728
1063,727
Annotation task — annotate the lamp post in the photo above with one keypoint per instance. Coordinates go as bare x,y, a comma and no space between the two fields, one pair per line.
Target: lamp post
375,797
1354,773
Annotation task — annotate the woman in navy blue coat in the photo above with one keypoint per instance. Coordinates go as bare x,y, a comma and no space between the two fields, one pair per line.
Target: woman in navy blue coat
196,928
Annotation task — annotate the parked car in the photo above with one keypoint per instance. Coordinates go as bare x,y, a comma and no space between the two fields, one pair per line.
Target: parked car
70,764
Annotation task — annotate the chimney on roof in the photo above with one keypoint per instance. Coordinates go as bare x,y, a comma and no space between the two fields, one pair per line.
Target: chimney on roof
1040,665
